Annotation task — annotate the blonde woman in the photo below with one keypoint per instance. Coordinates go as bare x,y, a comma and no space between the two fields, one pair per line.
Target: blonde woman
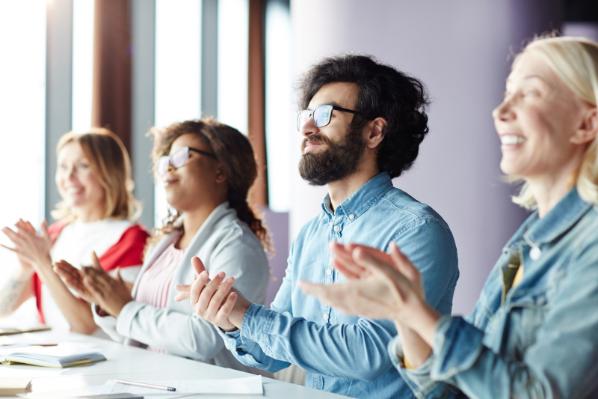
96,214
534,330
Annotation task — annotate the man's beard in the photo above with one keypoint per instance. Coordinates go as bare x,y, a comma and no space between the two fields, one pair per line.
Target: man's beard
335,162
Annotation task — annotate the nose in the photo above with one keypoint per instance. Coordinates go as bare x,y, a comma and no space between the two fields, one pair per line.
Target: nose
503,111
71,172
309,127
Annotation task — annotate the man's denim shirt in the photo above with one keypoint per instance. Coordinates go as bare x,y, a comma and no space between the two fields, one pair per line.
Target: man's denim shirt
540,338
340,353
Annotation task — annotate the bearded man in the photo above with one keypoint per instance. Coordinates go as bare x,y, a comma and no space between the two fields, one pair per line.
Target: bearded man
362,125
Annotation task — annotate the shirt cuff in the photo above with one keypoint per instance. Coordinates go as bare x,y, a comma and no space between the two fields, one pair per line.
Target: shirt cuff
457,345
125,318
257,322
418,379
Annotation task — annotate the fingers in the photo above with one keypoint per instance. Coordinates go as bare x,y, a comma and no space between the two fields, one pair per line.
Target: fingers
334,295
206,294
312,289
403,264
217,300
343,261
369,260
197,287
44,230
183,292
69,275
95,261
227,307
97,281
27,226
9,248
12,235
198,265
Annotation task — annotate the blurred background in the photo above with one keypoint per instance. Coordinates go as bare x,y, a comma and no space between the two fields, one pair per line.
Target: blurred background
129,65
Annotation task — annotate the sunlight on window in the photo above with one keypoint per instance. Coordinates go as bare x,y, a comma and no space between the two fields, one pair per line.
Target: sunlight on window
22,101
83,27
233,33
178,70
280,121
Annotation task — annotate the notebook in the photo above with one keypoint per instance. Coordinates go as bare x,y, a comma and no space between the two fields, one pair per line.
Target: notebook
53,360
13,386
12,330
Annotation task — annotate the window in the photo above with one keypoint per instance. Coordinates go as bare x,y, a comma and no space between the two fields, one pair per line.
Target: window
280,121
83,29
233,31
178,71
22,99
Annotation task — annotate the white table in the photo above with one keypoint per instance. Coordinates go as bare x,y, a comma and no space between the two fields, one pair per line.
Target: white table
127,362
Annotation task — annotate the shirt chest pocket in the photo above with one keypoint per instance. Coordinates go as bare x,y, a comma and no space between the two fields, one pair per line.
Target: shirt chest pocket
525,318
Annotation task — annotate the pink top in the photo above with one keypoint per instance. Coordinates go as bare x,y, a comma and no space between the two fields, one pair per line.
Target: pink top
154,283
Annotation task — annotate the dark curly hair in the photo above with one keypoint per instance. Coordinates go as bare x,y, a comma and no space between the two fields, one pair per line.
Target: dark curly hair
234,152
383,92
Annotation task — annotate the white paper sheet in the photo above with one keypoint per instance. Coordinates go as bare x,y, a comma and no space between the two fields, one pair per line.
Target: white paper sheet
238,386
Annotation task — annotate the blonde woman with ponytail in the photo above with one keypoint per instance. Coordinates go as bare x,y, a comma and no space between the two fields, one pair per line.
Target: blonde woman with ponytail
206,168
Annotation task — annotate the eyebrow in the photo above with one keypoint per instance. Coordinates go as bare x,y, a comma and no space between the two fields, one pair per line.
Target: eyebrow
328,103
531,77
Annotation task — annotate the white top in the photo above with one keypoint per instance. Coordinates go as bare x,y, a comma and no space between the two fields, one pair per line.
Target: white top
75,244
223,243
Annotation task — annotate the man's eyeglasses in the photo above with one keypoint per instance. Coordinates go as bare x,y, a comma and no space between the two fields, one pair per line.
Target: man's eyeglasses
178,159
321,115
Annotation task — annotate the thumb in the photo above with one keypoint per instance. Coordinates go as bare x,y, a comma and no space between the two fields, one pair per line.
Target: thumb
198,265
44,230
95,261
119,276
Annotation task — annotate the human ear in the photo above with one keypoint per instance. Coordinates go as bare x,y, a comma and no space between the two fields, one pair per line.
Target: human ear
220,175
376,132
588,127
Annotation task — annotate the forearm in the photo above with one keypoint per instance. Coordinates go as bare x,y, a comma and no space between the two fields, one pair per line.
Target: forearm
356,350
76,311
14,292
250,354
178,332
415,350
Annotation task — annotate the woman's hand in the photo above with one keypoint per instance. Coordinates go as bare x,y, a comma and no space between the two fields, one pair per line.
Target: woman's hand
31,248
111,294
381,285
73,278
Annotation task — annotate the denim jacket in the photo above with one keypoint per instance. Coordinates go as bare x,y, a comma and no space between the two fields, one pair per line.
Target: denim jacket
540,338
346,354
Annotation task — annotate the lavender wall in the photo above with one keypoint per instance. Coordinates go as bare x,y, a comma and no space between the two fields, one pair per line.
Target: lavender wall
460,50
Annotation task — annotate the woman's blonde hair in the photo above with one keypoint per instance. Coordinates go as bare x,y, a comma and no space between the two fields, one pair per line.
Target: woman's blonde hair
575,61
110,162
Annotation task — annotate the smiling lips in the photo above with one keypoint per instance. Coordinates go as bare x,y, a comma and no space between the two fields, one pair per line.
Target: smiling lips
511,140
311,142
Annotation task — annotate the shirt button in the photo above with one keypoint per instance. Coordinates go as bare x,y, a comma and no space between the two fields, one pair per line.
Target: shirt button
329,272
337,228
351,216
325,316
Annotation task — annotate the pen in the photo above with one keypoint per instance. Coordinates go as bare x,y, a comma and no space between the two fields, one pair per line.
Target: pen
146,385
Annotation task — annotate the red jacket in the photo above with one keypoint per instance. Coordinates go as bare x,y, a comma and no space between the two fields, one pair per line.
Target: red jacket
127,251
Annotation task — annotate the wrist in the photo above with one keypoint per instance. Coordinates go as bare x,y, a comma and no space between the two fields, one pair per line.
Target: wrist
238,314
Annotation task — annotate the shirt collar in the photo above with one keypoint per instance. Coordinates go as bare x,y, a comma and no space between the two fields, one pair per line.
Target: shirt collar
558,220
362,199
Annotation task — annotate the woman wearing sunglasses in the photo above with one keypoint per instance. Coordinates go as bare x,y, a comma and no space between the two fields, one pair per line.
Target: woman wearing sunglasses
206,169
95,216
534,330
